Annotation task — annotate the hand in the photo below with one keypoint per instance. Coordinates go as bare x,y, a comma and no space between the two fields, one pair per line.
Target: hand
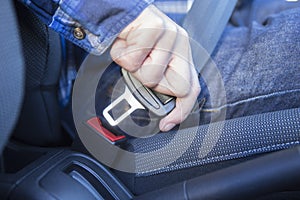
157,52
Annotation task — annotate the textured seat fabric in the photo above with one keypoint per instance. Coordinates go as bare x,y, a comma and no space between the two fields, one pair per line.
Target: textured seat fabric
259,65
11,71
39,123
237,139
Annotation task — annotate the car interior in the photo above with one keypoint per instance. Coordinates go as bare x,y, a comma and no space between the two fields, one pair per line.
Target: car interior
42,156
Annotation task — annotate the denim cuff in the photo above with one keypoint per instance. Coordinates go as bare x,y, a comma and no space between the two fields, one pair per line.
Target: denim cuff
94,24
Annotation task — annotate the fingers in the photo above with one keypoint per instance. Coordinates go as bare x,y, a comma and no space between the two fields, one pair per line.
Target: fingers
153,69
131,53
166,69
178,76
183,107
137,40
157,52
175,82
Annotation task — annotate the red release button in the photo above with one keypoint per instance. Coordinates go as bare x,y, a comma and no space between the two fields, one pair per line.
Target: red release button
97,125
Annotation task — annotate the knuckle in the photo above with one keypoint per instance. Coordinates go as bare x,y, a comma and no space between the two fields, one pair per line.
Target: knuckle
181,86
119,61
114,54
183,32
185,91
184,35
132,68
179,119
151,80
172,29
186,88
172,33
126,64
150,83
196,89
182,91
116,57
159,23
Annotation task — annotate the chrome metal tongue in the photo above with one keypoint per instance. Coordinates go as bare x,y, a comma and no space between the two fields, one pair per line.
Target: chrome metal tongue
136,96
128,97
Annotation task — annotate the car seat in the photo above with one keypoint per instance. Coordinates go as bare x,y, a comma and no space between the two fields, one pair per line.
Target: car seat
252,136
237,140
39,122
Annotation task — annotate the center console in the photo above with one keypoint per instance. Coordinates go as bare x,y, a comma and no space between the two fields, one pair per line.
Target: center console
38,173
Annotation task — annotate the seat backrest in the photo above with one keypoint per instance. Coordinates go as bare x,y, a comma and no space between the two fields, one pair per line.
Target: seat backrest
39,123
11,71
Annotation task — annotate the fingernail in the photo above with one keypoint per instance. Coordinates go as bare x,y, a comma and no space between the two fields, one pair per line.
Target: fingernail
168,127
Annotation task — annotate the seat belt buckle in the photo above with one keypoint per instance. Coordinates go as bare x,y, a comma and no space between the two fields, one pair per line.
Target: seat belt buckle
96,125
136,96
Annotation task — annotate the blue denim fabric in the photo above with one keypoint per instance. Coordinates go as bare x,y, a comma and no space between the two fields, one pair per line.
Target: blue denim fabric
101,20
258,59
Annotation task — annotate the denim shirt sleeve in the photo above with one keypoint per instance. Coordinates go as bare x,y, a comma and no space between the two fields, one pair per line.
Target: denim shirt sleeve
99,21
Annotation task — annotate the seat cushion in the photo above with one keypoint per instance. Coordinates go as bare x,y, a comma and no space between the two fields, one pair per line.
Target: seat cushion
212,147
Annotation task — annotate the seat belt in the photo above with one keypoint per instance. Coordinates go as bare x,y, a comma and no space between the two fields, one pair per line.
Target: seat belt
205,24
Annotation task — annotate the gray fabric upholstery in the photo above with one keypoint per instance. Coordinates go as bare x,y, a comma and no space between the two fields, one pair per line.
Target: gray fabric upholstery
238,138
11,71
39,122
